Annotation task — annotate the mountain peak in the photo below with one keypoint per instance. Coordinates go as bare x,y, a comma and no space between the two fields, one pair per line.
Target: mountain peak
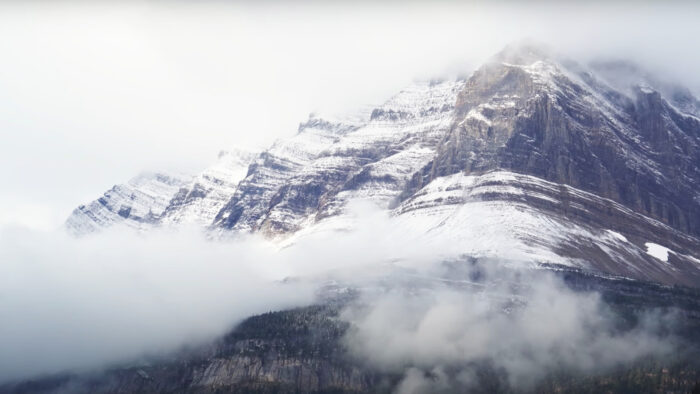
524,53
329,124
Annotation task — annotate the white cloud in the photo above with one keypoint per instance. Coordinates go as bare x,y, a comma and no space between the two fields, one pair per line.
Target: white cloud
76,304
523,324
79,304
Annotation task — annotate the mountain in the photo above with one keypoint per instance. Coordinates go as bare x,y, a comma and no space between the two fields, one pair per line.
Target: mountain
137,204
595,167
153,199
206,194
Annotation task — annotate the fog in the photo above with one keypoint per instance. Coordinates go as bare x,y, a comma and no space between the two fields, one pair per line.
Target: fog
82,304
92,93
523,325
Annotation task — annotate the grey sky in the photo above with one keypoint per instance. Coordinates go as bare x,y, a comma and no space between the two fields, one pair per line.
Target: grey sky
93,93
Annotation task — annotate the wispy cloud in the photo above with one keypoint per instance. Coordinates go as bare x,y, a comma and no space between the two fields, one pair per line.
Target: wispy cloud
79,304
523,325
76,304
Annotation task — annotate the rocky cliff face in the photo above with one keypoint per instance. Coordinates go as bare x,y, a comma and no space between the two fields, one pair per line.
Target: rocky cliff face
528,114
592,167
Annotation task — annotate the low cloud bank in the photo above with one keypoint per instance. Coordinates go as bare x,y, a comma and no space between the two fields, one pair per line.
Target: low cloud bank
520,325
78,304
71,304
74,304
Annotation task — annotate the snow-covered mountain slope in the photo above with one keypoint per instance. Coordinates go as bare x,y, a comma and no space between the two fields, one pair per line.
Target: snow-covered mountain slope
137,203
519,220
311,175
203,198
520,217
568,164
153,199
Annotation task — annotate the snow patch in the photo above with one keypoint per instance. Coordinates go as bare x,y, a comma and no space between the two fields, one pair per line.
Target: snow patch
617,235
658,251
645,88
475,113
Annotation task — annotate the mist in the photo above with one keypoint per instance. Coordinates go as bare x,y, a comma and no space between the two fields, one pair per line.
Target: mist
83,304
521,325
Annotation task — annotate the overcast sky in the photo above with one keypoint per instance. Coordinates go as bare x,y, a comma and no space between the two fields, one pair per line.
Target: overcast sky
93,93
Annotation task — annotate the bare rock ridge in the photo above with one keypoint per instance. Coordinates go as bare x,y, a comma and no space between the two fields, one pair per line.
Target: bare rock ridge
585,166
